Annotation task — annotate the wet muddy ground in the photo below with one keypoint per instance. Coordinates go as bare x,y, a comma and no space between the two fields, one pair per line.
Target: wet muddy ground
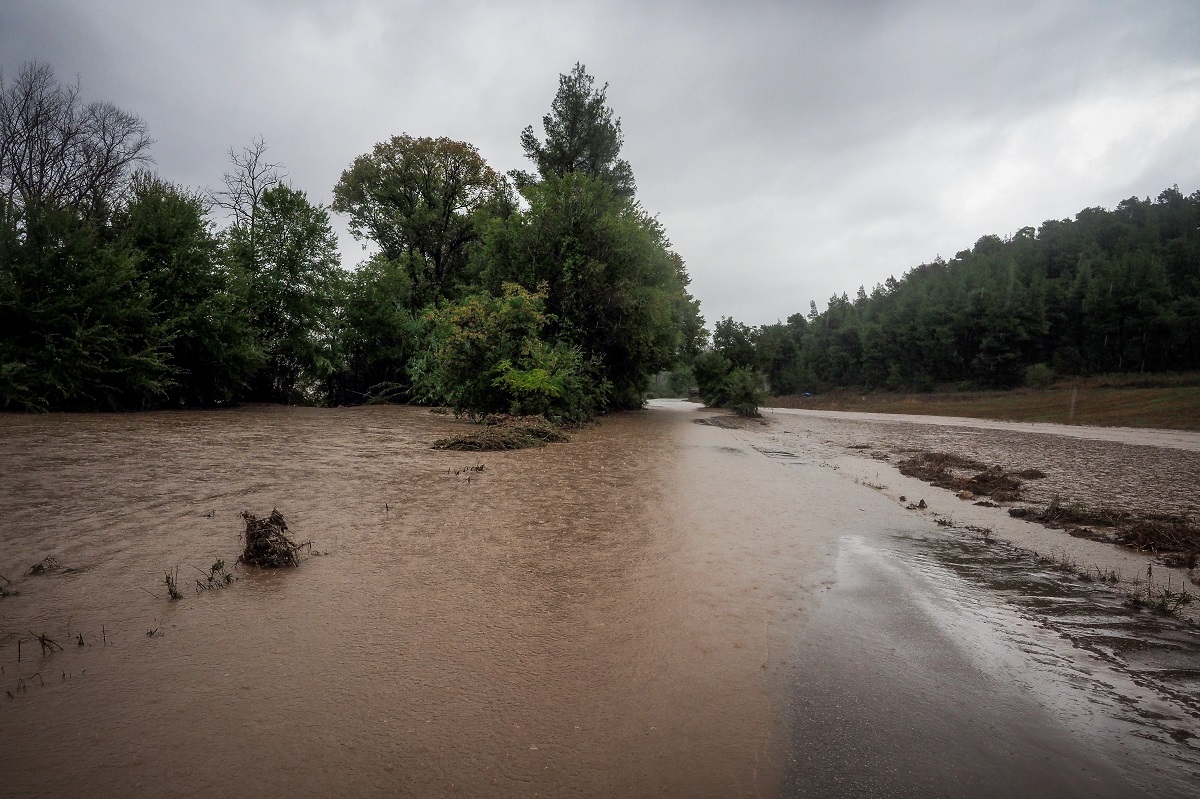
1143,471
654,608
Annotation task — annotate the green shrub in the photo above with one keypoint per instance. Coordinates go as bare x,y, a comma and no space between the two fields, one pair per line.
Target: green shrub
742,391
485,355
1039,375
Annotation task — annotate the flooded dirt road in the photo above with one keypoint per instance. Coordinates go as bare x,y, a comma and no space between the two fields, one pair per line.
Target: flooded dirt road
655,608
1188,440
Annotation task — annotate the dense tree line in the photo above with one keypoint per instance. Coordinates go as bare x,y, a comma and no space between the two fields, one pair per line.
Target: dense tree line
547,292
1110,291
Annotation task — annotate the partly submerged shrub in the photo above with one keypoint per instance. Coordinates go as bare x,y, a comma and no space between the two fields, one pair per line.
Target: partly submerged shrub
486,354
504,432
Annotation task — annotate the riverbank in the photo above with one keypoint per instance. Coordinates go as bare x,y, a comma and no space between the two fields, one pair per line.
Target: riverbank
939,605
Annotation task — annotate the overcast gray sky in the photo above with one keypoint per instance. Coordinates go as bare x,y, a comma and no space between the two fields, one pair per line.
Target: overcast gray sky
792,150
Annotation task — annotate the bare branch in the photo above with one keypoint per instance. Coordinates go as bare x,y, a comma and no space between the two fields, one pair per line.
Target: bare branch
252,175
55,151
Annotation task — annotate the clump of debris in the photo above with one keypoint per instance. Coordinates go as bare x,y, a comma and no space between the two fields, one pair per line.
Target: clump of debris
730,422
45,565
501,431
960,474
267,543
1175,540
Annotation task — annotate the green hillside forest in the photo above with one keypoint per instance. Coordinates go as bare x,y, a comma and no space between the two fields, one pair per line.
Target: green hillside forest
1107,292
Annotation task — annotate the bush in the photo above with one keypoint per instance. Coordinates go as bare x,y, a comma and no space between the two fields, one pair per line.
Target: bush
485,355
742,390
1039,375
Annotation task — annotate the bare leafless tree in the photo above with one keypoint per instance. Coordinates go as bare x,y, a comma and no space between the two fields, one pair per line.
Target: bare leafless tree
55,150
250,177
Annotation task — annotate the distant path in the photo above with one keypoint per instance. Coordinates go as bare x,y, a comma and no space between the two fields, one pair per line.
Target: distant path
1134,436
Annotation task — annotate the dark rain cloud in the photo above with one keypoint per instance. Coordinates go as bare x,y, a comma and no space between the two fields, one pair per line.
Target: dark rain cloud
793,150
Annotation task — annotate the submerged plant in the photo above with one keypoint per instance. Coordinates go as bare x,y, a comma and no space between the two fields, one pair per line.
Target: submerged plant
216,577
172,581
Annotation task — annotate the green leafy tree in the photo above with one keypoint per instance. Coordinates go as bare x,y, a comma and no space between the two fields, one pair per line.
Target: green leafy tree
614,288
294,285
422,201
77,328
581,136
487,353
778,349
710,369
735,341
210,346
379,334
77,331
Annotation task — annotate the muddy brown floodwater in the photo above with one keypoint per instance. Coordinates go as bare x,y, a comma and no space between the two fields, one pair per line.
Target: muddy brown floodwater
540,627
656,608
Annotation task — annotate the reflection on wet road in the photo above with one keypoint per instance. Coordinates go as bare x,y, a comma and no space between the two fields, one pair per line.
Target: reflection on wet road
942,662
939,666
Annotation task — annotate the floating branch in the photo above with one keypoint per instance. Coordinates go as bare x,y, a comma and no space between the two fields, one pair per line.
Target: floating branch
49,645
48,563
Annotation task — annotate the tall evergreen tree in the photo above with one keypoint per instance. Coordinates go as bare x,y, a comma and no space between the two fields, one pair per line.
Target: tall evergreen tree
581,136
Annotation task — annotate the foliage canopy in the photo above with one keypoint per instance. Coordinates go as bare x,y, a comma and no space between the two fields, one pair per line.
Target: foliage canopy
581,137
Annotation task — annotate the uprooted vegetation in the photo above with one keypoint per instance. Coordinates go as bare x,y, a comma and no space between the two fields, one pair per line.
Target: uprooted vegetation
731,422
503,432
267,543
959,474
44,566
1175,540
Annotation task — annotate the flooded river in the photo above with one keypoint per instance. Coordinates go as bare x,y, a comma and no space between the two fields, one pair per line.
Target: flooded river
657,608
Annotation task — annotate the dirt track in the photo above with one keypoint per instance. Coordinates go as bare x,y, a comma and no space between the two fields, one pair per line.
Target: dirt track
1143,471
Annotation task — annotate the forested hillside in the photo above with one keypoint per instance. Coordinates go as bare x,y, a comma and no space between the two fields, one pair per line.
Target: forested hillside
1110,291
